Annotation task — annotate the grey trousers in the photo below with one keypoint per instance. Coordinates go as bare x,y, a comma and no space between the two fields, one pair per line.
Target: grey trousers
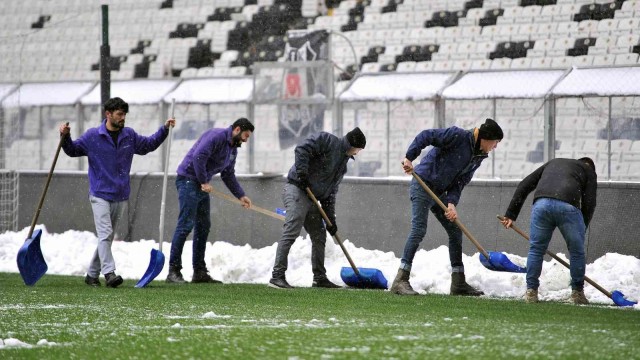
301,212
106,215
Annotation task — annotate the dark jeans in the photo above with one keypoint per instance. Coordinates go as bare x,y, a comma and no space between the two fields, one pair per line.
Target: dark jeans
421,203
546,215
195,214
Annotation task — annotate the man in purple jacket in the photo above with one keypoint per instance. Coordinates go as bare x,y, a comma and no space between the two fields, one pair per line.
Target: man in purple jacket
214,152
110,148
447,168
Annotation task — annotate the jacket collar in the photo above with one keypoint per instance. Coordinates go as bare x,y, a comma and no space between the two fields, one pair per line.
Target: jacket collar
346,146
475,141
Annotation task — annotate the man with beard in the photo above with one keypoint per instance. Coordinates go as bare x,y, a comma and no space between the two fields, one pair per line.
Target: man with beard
109,148
214,152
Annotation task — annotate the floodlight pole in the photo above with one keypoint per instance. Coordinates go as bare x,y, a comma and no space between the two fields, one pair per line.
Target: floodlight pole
105,54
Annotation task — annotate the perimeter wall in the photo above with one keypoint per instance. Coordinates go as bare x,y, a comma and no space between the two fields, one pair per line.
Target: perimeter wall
373,213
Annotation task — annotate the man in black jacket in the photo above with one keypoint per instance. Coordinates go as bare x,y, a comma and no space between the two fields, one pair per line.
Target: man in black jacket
320,164
565,198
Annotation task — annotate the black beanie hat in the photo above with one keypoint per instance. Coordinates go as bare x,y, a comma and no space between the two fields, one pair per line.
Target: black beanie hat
356,138
490,130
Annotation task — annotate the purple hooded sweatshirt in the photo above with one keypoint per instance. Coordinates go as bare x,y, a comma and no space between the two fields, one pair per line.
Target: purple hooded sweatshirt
109,165
213,153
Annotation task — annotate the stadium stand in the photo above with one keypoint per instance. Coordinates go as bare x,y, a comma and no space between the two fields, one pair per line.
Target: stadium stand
184,34
43,40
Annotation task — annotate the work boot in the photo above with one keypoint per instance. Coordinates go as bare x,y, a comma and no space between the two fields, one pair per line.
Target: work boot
578,298
459,286
401,285
112,280
202,276
91,281
279,283
324,283
531,296
175,276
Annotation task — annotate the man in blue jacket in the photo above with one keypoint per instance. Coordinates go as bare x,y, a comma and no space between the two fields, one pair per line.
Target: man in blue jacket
110,148
320,164
565,198
446,169
214,152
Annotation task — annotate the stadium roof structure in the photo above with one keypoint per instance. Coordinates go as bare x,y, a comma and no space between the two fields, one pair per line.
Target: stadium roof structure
503,84
47,94
621,81
210,91
133,91
389,87
6,89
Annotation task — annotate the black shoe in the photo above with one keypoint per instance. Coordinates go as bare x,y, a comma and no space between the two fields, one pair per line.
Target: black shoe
202,276
113,280
325,283
175,276
91,281
279,283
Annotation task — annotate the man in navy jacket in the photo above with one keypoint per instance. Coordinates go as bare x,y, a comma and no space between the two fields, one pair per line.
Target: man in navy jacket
320,164
110,148
214,152
447,168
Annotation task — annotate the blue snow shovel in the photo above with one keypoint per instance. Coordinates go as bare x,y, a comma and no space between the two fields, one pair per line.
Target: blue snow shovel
495,261
156,263
617,296
31,263
365,278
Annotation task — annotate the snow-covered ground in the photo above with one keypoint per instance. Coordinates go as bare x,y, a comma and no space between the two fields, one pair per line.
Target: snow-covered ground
69,254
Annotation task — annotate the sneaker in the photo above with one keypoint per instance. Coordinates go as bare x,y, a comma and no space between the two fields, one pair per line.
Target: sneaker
92,281
578,298
531,296
325,283
279,283
202,276
113,280
175,277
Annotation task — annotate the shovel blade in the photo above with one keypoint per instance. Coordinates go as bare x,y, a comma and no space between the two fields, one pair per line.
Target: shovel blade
500,262
368,278
618,299
31,263
156,263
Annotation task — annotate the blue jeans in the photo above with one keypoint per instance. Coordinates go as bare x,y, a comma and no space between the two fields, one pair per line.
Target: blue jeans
195,214
546,215
421,203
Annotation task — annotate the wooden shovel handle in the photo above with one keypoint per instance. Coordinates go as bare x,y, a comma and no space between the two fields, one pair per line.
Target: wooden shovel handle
336,237
558,259
253,207
456,221
46,186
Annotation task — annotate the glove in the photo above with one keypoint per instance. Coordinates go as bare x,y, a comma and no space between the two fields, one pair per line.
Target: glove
303,180
333,229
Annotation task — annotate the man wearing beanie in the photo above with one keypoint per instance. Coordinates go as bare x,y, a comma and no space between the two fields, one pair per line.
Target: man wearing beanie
447,168
320,164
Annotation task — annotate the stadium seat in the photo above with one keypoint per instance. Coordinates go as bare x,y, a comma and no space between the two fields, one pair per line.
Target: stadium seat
626,59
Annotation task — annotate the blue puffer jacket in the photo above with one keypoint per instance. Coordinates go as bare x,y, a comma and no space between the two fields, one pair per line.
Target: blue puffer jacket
323,157
109,165
449,165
